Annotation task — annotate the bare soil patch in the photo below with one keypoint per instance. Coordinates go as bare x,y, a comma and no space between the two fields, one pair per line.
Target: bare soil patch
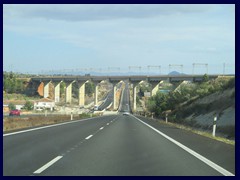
15,123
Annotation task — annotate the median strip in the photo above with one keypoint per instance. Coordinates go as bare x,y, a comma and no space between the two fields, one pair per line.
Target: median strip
47,165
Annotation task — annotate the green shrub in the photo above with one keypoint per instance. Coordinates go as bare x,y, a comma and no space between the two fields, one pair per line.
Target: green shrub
229,131
11,106
84,115
230,83
28,106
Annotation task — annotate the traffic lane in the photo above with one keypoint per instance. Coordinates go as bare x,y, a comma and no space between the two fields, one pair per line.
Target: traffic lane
22,153
220,153
108,101
128,147
125,100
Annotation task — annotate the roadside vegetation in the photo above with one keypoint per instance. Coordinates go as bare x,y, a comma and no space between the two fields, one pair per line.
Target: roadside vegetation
186,94
180,104
11,84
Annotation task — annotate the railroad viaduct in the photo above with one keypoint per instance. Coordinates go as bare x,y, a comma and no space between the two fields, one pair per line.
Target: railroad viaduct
134,80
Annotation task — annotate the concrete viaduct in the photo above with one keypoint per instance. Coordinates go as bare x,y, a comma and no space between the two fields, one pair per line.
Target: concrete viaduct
135,80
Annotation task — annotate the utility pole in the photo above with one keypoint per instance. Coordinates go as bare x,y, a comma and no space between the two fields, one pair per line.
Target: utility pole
224,66
159,67
200,64
135,67
113,69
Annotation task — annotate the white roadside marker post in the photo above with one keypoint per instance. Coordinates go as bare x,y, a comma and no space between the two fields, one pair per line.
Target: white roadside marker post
214,126
166,118
72,114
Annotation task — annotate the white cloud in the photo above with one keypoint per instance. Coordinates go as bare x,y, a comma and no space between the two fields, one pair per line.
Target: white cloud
86,12
125,33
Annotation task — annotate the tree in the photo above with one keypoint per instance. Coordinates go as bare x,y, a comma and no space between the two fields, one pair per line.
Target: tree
75,89
11,84
158,103
144,88
205,78
230,83
28,106
89,88
62,88
151,104
11,106
18,86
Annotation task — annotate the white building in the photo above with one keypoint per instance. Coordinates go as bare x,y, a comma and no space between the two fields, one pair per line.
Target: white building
44,103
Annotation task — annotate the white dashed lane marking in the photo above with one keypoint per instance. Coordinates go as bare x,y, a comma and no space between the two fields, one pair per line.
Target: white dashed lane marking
40,170
47,165
89,137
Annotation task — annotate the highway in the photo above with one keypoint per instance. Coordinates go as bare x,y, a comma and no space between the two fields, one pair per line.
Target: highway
116,145
107,101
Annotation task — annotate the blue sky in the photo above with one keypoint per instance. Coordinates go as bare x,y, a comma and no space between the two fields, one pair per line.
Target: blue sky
39,38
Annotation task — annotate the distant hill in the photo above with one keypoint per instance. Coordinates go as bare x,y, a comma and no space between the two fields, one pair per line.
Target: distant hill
175,73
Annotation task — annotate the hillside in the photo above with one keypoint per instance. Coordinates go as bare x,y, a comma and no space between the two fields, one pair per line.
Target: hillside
221,103
196,105
201,112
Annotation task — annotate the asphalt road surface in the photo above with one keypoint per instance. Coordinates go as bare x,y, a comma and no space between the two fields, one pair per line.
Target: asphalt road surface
116,145
107,101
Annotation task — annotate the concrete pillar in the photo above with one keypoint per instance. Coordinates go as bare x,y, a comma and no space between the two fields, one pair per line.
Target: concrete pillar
56,91
46,89
134,97
81,93
114,97
155,87
179,86
96,94
68,92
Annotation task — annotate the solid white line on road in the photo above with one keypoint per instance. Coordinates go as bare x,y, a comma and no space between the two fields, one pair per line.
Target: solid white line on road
101,128
89,137
200,157
47,165
23,131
